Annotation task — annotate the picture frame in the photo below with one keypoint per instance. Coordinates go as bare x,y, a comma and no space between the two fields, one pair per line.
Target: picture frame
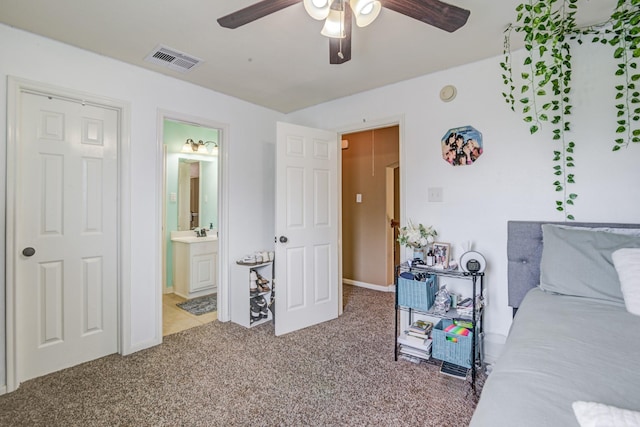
442,252
462,145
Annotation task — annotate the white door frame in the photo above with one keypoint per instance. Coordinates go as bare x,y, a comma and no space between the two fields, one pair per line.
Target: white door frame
15,87
223,208
361,127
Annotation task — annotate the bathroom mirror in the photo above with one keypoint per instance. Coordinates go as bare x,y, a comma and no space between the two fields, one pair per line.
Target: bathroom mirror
188,194
197,194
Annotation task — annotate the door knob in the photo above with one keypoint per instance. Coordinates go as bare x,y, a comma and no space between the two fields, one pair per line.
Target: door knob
283,239
28,252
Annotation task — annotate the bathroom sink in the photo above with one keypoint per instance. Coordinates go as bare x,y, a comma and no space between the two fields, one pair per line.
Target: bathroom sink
194,239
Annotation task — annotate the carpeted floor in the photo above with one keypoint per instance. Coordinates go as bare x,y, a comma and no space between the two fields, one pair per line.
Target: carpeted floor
341,372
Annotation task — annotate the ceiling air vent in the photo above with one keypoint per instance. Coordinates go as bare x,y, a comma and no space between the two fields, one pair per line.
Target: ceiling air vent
173,59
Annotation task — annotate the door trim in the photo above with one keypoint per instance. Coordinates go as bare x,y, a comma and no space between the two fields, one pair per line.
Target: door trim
16,86
361,127
223,207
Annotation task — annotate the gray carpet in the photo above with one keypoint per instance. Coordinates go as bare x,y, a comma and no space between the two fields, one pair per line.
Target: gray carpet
200,305
338,373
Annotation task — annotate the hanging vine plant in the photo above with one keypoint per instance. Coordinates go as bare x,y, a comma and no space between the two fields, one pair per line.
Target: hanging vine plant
622,31
543,93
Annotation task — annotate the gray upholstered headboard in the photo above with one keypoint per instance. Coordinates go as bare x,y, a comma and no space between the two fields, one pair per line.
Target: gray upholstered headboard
524,251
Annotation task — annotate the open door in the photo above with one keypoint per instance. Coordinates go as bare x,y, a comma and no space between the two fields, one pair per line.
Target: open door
306,268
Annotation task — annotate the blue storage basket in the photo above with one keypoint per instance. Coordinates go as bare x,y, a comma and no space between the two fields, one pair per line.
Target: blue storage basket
451,348
416,294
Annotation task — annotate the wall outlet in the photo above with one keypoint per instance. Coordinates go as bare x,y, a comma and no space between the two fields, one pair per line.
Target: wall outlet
358,198
434,194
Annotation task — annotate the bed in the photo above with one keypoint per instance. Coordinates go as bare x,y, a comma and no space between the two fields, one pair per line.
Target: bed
572,338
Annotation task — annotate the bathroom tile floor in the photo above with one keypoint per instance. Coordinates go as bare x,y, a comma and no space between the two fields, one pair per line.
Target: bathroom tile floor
175,319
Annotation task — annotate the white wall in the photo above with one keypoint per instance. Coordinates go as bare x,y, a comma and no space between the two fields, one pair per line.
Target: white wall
251,146
513,178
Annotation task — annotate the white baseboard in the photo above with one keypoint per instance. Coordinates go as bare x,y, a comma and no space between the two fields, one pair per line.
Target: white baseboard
388,288
3,390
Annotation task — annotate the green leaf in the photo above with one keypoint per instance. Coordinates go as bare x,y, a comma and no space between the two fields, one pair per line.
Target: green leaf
570,217
533,129
573,196
618,53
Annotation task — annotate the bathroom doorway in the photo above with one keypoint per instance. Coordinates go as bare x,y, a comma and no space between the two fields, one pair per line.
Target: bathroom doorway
192,207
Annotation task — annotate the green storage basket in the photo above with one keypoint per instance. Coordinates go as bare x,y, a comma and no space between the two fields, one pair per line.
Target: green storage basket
416,294
449,347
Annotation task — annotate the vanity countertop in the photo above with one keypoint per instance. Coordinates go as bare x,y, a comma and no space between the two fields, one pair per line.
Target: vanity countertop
194,239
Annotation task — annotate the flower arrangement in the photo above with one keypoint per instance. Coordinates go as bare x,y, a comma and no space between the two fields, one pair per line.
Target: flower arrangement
413,236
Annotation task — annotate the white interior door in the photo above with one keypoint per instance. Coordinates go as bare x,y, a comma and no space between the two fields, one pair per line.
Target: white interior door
306,263
66,211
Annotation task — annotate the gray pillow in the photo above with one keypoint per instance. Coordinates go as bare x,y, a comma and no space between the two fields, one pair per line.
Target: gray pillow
578,262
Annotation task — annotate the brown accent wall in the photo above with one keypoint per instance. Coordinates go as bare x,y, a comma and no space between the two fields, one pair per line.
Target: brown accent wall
364,224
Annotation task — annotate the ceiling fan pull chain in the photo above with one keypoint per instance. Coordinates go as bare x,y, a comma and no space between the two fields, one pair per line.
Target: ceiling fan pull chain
340,54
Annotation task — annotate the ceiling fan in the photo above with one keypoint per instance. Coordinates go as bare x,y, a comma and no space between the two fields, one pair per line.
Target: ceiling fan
338,16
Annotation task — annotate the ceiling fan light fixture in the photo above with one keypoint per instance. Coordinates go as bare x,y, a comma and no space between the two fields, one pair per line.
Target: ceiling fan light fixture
317,9
365,11
334,25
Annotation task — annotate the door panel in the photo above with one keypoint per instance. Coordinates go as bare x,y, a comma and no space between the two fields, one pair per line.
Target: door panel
307,215
66,293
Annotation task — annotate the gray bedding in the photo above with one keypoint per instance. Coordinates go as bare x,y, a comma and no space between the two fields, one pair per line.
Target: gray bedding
593,355
578,344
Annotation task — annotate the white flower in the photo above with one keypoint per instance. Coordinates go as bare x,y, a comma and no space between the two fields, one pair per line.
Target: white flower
416,237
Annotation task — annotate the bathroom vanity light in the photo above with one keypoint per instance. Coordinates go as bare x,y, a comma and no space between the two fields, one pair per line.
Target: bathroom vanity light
200,147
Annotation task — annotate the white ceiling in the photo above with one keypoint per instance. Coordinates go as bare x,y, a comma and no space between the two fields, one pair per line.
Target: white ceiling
280,61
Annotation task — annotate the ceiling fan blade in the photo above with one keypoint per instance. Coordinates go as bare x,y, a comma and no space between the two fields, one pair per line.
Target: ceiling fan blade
433,12
253,12
335,47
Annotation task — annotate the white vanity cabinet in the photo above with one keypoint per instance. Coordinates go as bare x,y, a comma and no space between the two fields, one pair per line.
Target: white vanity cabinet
195,266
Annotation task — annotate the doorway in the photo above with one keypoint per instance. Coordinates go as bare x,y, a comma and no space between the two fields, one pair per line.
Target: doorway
370,206
193,200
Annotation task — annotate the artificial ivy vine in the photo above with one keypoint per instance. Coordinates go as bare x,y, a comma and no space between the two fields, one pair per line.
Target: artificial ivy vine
544,94
623,32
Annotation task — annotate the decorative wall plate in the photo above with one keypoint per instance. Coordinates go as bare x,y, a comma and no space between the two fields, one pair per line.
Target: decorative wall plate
462,146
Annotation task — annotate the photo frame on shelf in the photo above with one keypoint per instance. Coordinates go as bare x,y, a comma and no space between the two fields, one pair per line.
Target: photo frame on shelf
441,251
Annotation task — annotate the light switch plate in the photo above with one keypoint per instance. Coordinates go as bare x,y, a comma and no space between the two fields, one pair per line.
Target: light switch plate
434,194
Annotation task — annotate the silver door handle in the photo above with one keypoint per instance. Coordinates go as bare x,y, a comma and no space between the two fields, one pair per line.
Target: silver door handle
283,239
